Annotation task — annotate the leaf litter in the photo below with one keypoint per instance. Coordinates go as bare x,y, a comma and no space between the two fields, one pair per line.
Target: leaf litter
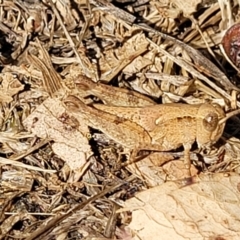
61,179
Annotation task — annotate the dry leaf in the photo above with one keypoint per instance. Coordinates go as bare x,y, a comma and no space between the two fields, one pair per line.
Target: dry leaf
188,7
114,61
9,87
50,120
139,63
158,167
17,180
206,209
64,8
78,157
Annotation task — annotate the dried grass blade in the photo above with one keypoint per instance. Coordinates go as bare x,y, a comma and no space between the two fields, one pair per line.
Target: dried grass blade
201,63
117,12
5,161
44,228
193,71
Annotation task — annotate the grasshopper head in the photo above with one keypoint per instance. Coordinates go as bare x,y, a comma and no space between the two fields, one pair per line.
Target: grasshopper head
209,124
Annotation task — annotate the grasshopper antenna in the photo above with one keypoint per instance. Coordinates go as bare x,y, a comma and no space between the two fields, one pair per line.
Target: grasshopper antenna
229,115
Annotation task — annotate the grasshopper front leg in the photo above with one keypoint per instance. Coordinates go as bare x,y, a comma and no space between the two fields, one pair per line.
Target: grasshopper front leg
187,160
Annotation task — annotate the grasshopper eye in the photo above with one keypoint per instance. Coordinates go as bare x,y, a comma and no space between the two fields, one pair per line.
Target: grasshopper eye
210,122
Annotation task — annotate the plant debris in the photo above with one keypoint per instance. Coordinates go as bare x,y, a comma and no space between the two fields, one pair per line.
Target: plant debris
60,177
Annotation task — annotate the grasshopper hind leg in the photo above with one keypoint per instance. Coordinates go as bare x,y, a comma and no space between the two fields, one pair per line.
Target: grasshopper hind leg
133,157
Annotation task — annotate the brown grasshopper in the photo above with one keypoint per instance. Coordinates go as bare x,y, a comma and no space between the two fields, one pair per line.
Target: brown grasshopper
163,127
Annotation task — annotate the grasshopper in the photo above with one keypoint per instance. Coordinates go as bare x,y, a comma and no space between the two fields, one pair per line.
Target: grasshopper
160,127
